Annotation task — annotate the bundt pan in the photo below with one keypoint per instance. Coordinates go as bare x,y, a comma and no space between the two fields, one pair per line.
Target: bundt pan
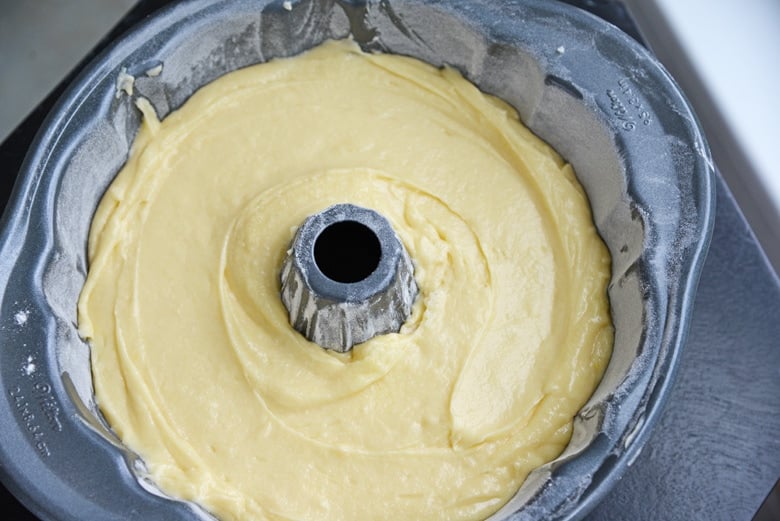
582,85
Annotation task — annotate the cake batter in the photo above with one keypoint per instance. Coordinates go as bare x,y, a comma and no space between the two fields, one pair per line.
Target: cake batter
197,369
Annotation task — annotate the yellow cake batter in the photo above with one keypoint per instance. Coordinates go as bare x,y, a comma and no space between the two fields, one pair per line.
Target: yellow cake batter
197,368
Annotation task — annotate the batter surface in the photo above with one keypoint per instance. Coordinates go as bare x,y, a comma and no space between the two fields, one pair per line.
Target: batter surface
197,369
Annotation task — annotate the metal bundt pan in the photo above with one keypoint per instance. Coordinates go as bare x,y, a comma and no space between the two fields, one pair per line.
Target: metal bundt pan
582,85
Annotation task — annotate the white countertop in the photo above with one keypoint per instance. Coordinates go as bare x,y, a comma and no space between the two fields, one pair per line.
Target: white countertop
726,57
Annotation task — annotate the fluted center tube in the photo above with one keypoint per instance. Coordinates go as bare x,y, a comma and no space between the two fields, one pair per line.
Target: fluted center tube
347,278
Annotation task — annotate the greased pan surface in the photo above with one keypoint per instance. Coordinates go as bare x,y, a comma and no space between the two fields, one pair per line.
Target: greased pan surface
586,88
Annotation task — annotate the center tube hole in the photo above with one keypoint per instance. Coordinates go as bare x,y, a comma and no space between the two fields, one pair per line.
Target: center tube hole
347,251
